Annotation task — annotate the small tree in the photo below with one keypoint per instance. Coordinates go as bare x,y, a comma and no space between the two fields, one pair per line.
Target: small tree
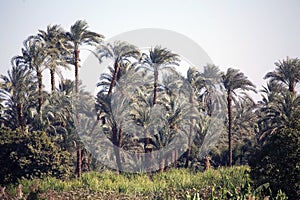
30,155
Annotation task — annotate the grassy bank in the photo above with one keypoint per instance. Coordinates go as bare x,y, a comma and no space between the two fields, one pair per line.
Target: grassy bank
224,183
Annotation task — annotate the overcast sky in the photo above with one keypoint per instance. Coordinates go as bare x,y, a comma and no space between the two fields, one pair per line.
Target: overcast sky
248,35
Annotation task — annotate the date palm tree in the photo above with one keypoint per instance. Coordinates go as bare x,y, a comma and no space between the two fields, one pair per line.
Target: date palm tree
18,93
158,59
206,87
287,72
56,50
33,57
78,36
277,113
234,81
121,54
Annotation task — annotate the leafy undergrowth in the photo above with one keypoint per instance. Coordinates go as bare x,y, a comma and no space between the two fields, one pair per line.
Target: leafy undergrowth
224,183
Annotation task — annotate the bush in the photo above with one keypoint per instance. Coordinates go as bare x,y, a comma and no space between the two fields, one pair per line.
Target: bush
277,162
30,155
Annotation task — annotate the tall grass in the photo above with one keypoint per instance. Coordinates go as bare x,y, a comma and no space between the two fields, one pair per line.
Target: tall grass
174,184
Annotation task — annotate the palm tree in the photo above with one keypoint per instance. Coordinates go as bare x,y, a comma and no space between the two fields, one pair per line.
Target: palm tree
287,72
77,36
17,92
33,57
277,113
234,81
121,54
55,47
205,86
158,59
80,35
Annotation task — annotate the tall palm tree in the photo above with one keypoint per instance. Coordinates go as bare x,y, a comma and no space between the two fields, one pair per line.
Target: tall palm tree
33,57
55,47
158,59
79,35
121,54
234,81
286,72
205,86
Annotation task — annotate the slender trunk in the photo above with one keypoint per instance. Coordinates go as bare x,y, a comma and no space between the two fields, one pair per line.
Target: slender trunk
188,153
21,116
79,156
162,164
52,73
40,86
155,86
173,160
192,122
229,106
207,163
114,78
76,53
116,148
85,159
79,163
292,88
120,136
176,157
120,141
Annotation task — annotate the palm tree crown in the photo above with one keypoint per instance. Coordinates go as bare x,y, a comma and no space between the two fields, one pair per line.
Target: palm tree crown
55,48
287,72
159,59
77,36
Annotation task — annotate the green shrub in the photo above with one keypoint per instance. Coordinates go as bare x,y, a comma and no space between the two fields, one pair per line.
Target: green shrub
278,163
30,155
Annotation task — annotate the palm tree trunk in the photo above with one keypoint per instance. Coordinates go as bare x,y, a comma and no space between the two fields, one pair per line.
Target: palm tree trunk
85,159
229,106
21,116
40,86
79,151
116,148
120,141
114,78
162,164
79,163
207,163
188,154
292,88
52,73
155,88
76,53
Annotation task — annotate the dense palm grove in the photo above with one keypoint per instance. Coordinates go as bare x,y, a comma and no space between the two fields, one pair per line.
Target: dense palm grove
39,137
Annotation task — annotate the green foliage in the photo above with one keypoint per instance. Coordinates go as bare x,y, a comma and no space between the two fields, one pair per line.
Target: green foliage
278,162
30,155
224,183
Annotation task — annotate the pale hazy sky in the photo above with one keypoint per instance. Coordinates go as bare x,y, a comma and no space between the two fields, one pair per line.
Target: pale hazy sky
248,35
